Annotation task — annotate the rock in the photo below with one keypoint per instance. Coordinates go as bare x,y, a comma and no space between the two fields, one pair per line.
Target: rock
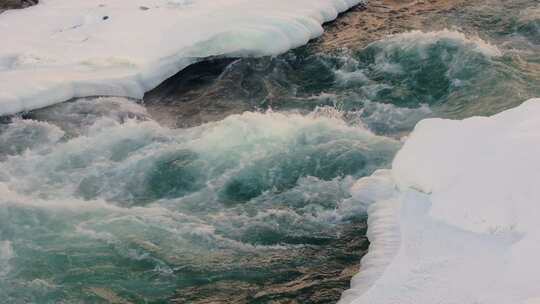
367,23
15,4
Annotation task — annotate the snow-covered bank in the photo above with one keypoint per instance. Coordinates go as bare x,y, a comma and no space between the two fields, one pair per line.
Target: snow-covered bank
456,219
62,49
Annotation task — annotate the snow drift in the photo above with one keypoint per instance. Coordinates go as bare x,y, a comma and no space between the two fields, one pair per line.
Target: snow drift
456,219
62,49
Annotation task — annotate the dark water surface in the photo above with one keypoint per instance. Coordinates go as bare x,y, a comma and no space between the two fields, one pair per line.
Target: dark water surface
230,182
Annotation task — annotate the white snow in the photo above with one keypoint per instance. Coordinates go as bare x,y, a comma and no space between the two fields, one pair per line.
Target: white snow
62,49
457,218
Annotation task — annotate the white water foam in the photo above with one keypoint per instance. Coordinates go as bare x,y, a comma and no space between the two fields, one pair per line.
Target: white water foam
62,49
6,254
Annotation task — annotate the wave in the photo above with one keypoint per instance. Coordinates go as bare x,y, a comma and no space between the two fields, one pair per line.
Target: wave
101,182
443,73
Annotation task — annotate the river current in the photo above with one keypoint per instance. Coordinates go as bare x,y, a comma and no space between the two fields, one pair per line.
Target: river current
229,183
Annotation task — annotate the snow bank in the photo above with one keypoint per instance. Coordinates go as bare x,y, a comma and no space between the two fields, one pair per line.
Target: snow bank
61,49
461,223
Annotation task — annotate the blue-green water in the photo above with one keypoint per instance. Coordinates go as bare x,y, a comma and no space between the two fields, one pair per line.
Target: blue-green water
106,200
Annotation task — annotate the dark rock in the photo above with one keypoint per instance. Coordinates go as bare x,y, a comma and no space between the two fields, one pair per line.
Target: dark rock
15,4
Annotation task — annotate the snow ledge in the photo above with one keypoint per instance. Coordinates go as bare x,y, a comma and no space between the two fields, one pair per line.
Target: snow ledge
64,49
456,219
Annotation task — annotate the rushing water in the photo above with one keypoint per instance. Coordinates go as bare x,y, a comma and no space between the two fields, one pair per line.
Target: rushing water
231,183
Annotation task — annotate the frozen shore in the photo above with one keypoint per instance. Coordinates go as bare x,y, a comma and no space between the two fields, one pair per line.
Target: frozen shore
456,218
125,48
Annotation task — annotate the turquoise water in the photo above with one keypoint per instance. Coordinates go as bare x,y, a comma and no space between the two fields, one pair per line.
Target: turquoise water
170,208
104,202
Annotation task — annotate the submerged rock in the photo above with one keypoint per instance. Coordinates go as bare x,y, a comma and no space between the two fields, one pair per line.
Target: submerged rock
15,4
380,18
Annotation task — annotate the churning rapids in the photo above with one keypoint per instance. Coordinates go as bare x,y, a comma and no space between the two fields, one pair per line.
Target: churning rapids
231,182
